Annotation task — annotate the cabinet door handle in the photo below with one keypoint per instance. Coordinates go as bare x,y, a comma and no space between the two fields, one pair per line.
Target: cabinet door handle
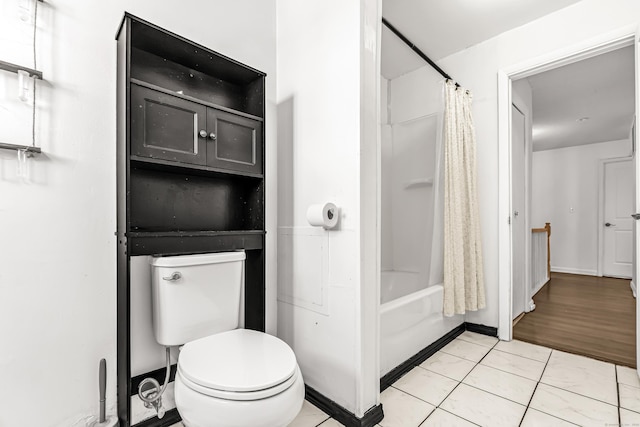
212,135
175,276
203,133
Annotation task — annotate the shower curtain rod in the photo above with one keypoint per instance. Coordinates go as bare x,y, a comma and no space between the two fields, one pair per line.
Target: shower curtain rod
420,53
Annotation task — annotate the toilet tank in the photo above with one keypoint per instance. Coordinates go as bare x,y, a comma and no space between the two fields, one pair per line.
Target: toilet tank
194,296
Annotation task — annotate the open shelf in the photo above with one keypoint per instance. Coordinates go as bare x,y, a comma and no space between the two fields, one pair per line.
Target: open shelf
168,62
164,201
417,183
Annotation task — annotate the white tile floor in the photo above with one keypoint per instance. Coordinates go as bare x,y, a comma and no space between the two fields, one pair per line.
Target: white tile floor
476,380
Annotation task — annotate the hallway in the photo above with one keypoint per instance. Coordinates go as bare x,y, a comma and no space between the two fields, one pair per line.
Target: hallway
586,315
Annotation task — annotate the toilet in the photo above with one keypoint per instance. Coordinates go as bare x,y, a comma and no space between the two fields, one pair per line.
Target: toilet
227,376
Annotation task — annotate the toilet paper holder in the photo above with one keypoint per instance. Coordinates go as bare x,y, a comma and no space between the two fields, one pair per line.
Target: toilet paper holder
325,215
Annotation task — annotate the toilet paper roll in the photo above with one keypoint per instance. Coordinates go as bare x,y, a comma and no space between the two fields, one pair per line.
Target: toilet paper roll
323,215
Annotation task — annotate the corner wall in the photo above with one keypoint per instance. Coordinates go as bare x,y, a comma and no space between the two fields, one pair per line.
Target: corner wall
58,252
327,280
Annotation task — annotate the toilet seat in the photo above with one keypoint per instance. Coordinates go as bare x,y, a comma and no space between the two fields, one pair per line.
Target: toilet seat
240,364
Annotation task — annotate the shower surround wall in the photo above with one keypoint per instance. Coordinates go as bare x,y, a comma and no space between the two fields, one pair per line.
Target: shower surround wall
411,307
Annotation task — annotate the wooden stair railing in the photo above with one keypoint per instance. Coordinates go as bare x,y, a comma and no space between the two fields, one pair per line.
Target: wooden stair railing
546,229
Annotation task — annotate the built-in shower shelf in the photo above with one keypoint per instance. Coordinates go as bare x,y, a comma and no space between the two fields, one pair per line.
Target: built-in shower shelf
417,183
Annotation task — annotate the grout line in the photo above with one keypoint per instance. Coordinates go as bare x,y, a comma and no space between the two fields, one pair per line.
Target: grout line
323,421
421,399
434,372
462,418
615,368
536,388
497,395
469,360
517,375
555,416
463,378
526,409
525,357
578,394
425,419
511,373
461,338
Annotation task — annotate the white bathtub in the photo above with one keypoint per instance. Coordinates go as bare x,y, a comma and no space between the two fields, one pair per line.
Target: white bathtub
410,318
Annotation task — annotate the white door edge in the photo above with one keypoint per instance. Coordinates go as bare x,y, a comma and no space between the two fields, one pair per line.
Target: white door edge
636,261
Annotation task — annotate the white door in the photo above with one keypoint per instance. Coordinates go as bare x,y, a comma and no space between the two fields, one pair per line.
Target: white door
618,207
518,132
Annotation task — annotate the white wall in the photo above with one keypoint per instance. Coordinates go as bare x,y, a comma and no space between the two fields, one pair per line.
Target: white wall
565,193
476,68
325,54
58,283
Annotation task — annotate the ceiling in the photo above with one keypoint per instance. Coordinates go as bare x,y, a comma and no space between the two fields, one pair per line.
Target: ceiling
601,89
442,27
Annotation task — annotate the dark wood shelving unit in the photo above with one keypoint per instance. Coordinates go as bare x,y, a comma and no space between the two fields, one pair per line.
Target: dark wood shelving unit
190,167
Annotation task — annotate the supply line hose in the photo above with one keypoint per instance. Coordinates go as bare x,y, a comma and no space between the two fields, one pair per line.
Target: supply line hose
150,391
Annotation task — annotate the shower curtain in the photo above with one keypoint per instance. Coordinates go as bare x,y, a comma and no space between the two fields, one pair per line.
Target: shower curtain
456,224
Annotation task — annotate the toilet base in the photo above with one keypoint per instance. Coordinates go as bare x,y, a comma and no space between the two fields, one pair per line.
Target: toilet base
199,410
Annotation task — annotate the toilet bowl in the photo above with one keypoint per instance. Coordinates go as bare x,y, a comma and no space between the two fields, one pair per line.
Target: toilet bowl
238,378
227,376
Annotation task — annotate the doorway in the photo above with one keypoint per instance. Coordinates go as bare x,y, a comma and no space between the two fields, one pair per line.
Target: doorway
510,295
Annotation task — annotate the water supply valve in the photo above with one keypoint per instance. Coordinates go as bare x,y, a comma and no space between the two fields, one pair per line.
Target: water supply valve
150,393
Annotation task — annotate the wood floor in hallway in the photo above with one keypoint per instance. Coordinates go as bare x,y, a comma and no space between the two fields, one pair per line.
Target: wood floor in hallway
591,316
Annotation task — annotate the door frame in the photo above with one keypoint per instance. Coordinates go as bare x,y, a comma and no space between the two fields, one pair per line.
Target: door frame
623,37
601,188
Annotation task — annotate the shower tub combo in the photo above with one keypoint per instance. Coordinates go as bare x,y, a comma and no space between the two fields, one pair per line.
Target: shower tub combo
410,317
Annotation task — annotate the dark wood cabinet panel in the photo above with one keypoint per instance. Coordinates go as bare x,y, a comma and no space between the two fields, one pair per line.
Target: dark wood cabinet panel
166,127
190,152
235,142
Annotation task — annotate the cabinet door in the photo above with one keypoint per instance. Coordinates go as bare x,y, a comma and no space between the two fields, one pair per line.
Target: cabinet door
166,127
235,142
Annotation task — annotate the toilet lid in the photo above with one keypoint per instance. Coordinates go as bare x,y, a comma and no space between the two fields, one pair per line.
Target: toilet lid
240,360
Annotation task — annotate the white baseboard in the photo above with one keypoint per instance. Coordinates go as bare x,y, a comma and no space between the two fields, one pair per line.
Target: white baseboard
574,271
633,288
